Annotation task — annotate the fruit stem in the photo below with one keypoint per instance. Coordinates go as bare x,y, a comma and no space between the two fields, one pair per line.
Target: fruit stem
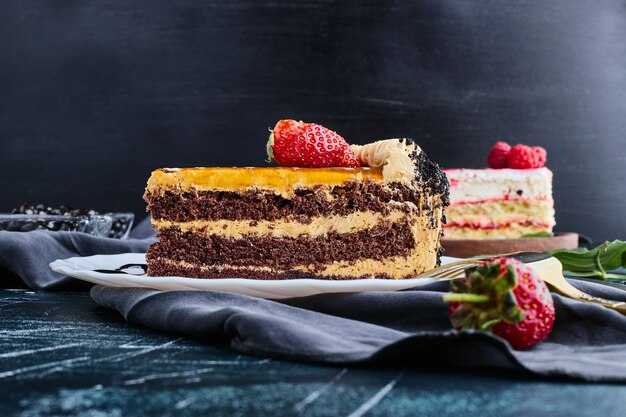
465,298
270,152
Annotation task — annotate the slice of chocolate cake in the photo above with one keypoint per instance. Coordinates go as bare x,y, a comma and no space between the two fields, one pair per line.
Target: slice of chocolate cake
382,220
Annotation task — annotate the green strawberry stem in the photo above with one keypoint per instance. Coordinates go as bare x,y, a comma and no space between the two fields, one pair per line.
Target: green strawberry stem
270,152
465,298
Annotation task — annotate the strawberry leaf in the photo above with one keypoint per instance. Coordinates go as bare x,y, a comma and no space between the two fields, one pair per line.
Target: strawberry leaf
513,315
510,279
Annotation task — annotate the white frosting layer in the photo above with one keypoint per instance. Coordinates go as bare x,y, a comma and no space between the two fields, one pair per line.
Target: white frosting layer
394,155
475,185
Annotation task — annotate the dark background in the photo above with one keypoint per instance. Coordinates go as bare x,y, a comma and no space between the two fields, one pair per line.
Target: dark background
96,94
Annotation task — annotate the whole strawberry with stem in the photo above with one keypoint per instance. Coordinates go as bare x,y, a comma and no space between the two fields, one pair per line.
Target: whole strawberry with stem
506,297
297,144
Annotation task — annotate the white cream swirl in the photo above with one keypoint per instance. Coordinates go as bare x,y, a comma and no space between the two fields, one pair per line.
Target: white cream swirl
396,156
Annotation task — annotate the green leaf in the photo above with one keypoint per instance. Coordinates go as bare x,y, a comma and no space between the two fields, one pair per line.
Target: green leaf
539,234
595,262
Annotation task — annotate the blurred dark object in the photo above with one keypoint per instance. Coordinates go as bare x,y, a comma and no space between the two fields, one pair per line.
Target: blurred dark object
29,217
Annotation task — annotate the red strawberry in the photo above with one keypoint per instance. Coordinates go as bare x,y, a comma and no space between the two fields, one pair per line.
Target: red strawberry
506,297
349,160
541,156
522,157
497,157
298,144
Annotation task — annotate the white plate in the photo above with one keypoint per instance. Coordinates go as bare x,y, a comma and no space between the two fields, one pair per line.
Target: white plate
85,268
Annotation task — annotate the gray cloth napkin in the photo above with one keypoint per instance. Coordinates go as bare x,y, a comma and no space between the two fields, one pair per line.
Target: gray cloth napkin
408,328
405,328
28,254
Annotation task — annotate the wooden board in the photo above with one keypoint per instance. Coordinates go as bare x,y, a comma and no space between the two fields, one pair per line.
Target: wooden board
463,248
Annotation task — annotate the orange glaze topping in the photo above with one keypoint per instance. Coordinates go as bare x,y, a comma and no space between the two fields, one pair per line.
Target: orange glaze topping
278,179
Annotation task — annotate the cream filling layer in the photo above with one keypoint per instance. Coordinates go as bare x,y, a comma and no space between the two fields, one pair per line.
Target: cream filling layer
319,226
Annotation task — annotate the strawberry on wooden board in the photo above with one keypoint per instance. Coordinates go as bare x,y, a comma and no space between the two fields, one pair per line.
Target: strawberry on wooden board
506,297
297,144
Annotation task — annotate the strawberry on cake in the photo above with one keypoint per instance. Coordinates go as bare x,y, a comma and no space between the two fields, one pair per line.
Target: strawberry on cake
511,199
330,211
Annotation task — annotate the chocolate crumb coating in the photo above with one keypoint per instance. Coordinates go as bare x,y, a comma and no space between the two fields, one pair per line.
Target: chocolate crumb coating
429,174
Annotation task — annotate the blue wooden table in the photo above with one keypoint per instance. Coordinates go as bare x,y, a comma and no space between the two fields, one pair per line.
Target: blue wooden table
63,355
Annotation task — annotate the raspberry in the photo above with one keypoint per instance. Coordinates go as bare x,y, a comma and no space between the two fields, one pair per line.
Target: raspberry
541,155
497,157
522,157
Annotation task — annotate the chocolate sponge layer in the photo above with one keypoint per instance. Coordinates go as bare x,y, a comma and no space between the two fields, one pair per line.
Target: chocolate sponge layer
382,241
306,203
